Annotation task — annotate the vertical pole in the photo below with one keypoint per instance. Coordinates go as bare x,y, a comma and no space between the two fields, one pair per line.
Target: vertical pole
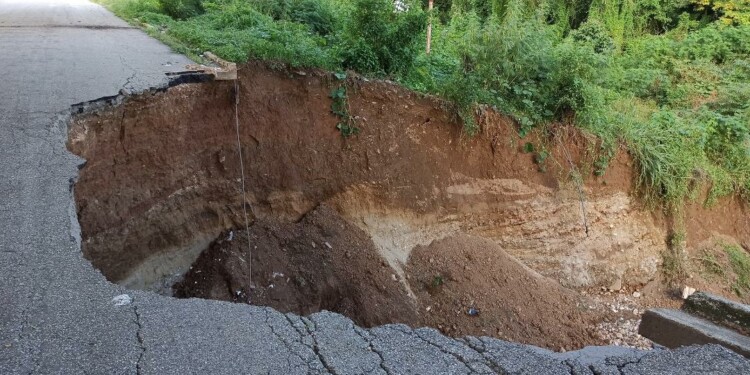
429,28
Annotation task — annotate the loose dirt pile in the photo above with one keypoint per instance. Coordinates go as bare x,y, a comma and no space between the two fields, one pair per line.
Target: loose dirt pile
469,286
319,263
464,285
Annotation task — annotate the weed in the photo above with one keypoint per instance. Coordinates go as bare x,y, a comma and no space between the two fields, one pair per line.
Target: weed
540,158
540,155
711,264
340,108
740,263
437,281
673,266
601,163
182,9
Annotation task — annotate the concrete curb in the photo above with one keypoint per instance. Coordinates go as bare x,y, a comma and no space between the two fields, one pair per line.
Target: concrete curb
675,328
719,310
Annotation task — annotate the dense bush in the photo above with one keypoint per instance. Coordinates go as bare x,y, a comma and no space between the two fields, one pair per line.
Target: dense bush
727,11
594,34
380,40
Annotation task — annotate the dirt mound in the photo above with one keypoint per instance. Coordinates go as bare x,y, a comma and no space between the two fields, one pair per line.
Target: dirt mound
325,263
469,286
319,263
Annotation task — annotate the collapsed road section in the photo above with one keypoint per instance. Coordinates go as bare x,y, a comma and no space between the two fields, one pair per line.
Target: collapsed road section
409,221
59,315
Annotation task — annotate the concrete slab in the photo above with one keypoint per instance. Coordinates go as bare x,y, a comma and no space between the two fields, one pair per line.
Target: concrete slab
722,311
675,328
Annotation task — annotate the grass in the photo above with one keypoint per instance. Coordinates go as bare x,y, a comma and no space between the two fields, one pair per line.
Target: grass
739,260
711,264
674,267
140,12
236,33
727,265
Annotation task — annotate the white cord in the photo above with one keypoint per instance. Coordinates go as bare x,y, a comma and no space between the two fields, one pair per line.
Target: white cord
242,174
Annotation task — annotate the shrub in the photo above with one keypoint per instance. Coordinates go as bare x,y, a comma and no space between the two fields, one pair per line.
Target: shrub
727,11
181,9
594,34
315,14
379,40
740,262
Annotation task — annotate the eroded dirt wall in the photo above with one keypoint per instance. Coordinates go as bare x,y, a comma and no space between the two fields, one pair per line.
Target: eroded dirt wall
162,175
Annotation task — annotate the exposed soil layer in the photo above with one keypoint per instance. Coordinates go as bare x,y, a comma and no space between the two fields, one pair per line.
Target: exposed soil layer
161,179
162,184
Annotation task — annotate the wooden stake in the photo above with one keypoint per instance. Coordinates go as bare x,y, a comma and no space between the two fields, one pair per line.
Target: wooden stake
429,28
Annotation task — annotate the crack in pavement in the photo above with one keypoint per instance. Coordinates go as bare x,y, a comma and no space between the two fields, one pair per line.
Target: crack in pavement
283,340
459,358
571,368
33,351
621,367
372,348
594,371
316,348
133,71
139,337
302,333
483,352
22,329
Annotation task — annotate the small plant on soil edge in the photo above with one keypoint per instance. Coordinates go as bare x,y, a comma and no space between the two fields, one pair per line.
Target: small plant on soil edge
740,262
674,264
340,108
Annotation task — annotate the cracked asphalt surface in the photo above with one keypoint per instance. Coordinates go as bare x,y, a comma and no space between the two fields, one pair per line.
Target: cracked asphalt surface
57,313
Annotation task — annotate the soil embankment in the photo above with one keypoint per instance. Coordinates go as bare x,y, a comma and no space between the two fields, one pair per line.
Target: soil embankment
161,185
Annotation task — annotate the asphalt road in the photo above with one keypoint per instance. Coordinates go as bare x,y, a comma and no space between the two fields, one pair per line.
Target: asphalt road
58,315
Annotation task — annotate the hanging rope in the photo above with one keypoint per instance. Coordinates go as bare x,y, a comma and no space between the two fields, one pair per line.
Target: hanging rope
242,176
579,185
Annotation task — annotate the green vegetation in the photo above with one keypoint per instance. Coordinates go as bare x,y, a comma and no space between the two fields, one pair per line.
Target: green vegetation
740,262
711,264
727,264
674,266
437,281
340,108
669,78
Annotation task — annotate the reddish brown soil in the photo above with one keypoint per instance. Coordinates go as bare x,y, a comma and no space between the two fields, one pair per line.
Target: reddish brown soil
460,273
728,216
710,270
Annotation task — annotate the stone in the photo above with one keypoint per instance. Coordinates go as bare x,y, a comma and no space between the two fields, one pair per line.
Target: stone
687,292
616,285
